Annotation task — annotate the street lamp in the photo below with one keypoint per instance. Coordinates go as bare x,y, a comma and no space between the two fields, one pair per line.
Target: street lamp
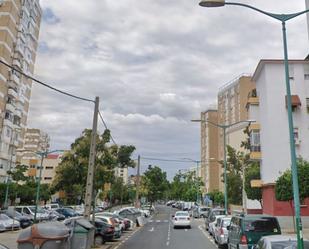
224,128
37,197
283,18
197,162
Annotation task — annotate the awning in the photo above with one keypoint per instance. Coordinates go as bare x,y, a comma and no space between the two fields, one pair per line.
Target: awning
295,101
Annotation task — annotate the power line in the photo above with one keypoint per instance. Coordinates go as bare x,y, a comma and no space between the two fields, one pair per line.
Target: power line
45,84
171,160
104,123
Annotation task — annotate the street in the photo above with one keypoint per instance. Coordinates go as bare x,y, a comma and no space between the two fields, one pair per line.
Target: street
159,233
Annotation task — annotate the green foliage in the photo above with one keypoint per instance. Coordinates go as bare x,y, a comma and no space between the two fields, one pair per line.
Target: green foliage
185,186
155,183
19,173
252,172
71,174
284,184
217,197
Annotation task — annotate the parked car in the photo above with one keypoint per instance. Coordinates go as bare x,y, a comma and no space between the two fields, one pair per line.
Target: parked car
54,215
181,219
51,206
246,230
103,232
6,223
200,211
67,212
24,221
221,232
279,242
212,225
112,222
29,211
212,216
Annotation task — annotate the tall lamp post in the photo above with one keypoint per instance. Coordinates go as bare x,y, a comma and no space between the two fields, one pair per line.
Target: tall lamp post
224,128
196,175
283,18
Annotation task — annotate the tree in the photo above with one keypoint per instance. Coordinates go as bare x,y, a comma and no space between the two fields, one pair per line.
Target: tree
76,160
18,174
253,173
217,197
155,183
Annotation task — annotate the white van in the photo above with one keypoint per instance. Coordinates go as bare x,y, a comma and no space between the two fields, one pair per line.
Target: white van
51,206
29,211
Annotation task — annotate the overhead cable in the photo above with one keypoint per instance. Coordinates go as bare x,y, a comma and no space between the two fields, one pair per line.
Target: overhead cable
45,84
105,125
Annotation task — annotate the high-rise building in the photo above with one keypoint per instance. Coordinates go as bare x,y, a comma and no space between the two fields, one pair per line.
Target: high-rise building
210,168
232,102
19,32
122,173
34,140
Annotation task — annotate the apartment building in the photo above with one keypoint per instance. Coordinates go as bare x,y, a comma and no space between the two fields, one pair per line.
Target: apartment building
34,140
122,173
210,168
269,136
50,164
19,32
232,102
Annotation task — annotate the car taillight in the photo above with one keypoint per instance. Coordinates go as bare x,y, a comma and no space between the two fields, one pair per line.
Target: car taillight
221,231
243,240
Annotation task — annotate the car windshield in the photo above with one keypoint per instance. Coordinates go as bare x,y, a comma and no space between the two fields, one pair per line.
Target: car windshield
262,225
39,210
203,209
4,217
226,222
218,212
182,214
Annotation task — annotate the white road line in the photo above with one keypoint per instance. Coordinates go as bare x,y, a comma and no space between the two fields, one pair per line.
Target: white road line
150,221
158,220
208,237
168,234
165,220
151,230
186,230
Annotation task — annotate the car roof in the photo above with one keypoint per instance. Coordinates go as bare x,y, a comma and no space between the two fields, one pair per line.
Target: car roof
274,238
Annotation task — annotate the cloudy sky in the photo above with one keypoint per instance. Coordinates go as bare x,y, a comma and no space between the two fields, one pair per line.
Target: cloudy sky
154,64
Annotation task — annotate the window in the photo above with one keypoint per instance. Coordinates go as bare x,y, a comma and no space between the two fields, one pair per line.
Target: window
306,71
296,135
291,72
47,178
255,143
49,167
307,104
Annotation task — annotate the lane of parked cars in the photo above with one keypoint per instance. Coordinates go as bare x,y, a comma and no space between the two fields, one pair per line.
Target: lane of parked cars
239,230
108,225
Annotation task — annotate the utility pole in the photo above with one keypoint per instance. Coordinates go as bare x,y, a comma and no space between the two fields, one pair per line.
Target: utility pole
137,181
90,178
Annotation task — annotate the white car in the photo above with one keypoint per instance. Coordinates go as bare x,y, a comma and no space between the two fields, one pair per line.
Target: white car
181,219
212,225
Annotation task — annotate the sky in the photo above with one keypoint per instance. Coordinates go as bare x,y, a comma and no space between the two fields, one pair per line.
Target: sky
154,64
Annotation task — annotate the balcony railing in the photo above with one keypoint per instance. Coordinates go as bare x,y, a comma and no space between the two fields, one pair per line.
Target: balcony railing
255,148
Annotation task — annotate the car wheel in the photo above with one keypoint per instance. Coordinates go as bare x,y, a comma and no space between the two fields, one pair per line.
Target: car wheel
98,240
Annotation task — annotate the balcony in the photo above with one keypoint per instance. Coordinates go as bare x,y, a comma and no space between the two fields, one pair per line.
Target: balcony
253,101
4,155
18,113
16,63
15,78
255,155
8,122
12,92
10,107
254,127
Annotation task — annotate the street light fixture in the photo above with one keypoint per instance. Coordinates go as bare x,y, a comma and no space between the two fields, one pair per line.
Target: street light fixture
224,127
283,18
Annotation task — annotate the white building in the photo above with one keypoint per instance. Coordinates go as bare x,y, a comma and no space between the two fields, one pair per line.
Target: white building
270,134
122,173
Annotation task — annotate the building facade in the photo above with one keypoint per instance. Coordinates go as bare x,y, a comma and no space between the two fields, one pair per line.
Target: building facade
34,140
122,173
50,164
269,137
19,32
210,168
232,102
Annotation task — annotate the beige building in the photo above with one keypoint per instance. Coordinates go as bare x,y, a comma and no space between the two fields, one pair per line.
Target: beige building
34,140
50,164
210,168
19,32
232,102
122,173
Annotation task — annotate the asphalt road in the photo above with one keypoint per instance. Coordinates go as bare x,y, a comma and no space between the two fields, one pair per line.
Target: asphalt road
159,233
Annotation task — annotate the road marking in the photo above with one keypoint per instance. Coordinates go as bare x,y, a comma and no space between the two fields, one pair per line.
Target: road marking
150,221
186,230
165,220
207,236
151,230
158,220
168,235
